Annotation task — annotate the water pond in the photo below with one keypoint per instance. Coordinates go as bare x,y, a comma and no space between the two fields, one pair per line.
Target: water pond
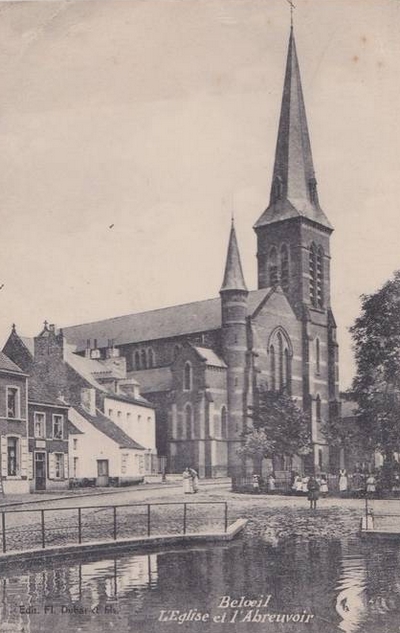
314,586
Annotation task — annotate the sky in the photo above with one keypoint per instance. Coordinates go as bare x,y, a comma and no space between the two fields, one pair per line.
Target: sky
130,130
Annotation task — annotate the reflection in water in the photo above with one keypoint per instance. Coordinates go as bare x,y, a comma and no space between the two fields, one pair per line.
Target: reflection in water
346,586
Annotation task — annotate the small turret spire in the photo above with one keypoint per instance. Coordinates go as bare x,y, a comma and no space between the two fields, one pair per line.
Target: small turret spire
233,277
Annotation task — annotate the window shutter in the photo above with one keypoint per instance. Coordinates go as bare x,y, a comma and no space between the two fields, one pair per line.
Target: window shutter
24,457
52,469
3,445
30,465
66,475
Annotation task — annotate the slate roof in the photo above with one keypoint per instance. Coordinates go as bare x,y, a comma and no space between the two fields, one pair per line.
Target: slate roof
127,398
109,428
29,343
293,168
72,430
83,366
233,276
210,357
154,380
188,318
6,364
38,393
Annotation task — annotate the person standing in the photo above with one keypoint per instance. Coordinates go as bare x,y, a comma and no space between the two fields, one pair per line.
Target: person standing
324,486
187,481
313,492
343,482
271,483
371,485
195,479
256,484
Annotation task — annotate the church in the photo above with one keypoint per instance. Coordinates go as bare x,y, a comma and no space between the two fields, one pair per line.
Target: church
202,364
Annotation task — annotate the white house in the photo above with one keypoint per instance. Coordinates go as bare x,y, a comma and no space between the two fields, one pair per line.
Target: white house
100,451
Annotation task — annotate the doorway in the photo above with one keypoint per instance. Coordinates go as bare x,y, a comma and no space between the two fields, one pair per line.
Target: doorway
40,471
102,472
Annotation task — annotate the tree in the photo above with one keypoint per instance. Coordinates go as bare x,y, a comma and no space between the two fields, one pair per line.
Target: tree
280,428
376,386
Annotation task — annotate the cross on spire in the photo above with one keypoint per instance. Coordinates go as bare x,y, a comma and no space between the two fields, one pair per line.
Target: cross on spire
292,6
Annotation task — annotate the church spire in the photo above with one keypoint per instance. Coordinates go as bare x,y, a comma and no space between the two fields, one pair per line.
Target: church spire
233,277
294,187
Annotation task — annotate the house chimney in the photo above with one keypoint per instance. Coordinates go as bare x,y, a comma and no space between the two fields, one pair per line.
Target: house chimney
88,399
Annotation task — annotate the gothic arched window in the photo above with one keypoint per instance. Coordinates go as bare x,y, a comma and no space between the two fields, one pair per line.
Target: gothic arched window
272,368
320,278
189,421
313,275
150,358
273,267
137,360
318,408
187,377
179,428
317,356
280,362
280,354
284,255
224,422
288,378
144,359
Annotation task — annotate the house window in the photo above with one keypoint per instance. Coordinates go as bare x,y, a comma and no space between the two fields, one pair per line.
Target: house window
189,421
187,377
39,422
224,422
128,417
110,413
58,427
119,414
273,267
317,356
144,359
177,349
59,465
13,402
139,419
76,466
12,456
75,444
284,267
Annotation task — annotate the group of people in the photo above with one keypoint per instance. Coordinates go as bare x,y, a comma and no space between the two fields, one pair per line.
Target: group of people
300,484
258,483
190,480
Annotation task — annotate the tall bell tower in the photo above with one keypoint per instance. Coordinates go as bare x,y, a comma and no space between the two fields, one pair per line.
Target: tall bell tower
293,250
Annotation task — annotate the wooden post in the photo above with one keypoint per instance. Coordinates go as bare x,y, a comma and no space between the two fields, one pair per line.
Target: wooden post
79,525
148,520
43,530
184,517
226,517
115,522
3,529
